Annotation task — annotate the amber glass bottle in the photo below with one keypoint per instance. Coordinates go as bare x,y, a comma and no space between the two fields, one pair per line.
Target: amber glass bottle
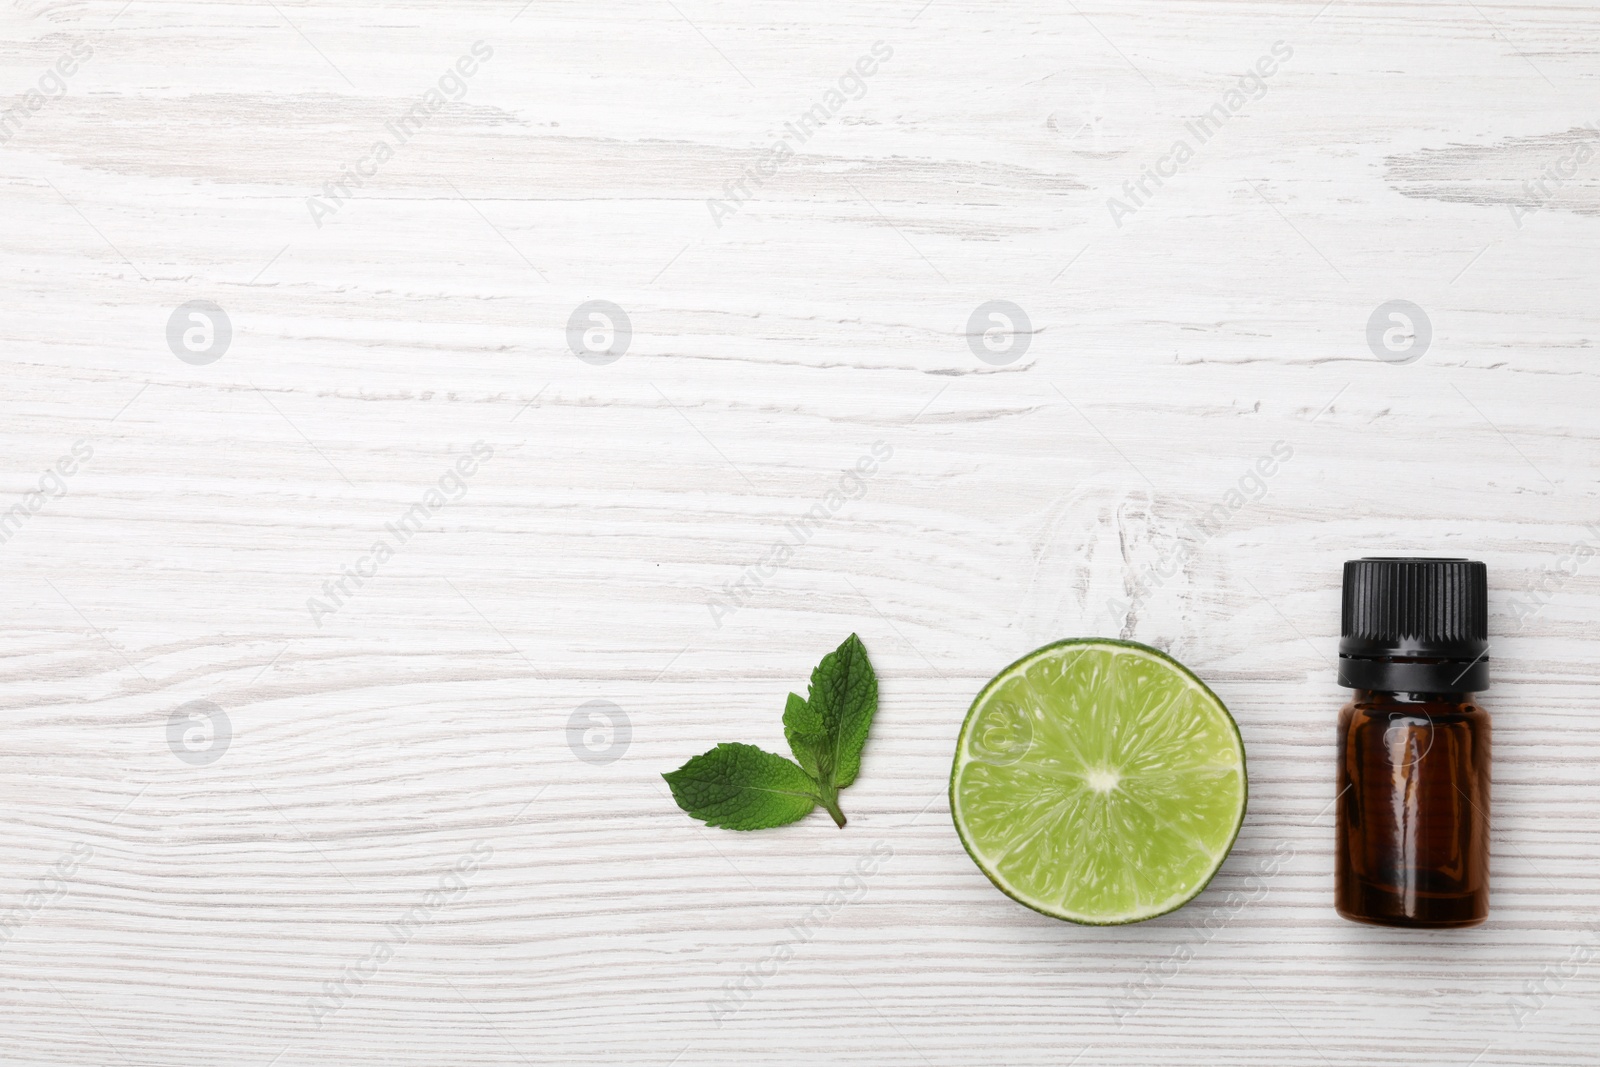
1413,801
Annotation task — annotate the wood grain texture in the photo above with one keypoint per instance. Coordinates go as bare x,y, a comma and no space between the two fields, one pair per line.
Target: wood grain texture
172,913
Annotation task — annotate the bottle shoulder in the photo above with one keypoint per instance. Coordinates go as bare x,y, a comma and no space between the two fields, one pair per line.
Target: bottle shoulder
1369,704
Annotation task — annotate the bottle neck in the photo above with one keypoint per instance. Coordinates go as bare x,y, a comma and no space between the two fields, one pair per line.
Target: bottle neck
1393,696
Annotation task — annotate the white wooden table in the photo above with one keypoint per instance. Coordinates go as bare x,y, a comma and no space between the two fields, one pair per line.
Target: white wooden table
376,840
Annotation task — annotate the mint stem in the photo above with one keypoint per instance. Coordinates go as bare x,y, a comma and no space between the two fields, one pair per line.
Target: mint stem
830,801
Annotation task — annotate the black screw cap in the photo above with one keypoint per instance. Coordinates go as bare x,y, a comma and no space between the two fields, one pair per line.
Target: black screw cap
1415,625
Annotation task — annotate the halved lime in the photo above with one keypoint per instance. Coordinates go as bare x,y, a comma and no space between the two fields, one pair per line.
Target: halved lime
1098,781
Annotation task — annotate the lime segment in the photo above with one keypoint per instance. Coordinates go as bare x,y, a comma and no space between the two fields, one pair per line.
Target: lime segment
1098,781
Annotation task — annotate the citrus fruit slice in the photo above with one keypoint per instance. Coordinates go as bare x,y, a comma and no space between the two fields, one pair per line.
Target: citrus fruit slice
1098,781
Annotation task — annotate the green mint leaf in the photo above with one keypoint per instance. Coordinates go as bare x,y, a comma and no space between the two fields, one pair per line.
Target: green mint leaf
808,737
844,695
741,787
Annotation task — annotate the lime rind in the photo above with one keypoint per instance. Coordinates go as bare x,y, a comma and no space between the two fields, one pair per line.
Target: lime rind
1132,793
